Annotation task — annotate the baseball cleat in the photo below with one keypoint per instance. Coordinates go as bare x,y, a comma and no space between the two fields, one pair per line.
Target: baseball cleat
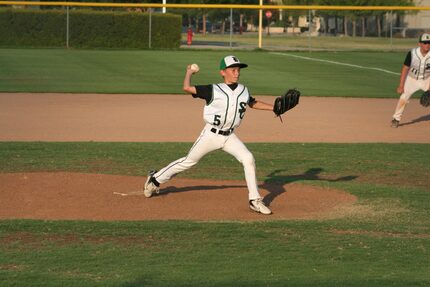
395,123
258,205
150,186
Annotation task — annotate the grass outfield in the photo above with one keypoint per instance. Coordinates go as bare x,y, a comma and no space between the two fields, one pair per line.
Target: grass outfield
303,42
386,245
346,74
390,164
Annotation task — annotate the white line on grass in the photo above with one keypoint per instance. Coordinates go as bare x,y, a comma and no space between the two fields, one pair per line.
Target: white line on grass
336,63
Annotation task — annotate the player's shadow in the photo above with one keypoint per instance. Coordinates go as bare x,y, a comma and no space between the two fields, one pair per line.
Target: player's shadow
172,189
275,182
417,120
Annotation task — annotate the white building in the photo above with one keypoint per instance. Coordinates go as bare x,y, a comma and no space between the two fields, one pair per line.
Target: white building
419,20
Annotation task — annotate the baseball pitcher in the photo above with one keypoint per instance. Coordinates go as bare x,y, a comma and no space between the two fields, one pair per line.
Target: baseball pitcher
226,105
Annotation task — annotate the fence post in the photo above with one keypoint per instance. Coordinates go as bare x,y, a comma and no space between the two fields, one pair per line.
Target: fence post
231,25
67,27
260,24
309,30
391,29
150,28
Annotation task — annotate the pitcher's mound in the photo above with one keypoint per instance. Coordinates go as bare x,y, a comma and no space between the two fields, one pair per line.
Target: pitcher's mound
72,196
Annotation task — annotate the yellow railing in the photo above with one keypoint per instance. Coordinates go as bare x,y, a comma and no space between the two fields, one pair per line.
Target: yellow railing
260,7
217,6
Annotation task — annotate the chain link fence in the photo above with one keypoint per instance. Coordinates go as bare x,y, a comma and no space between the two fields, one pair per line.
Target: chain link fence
274,28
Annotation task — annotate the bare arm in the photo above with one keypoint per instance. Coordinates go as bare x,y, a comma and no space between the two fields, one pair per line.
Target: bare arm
403,75
258,105
188,88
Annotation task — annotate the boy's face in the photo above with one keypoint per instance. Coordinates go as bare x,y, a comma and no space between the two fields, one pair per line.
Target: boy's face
230,75
425,47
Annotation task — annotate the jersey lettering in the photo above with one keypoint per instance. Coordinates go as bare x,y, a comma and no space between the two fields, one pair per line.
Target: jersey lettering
242,109
227,107
418,64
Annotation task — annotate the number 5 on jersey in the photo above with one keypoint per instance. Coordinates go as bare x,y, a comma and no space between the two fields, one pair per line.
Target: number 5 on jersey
217,120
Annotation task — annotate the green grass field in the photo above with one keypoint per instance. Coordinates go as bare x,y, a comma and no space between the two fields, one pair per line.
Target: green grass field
385,242
346,74
280,41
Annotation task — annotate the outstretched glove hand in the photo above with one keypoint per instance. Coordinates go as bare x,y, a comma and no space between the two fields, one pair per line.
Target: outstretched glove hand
286,102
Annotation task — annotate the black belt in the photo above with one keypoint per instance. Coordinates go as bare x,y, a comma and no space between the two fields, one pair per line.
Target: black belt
220,132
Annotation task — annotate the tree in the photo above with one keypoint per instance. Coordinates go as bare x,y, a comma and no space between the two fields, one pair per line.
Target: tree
364,15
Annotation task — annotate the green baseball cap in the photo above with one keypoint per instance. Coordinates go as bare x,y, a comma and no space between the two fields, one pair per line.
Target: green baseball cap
425,38
231,61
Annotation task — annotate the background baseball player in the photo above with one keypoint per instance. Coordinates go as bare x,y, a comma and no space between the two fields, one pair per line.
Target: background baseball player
226,104
415,76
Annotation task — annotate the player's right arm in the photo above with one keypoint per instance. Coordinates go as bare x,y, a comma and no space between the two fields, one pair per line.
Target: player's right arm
188,88
404,73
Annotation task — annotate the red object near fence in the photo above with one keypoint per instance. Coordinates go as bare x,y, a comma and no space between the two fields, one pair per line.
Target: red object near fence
189,36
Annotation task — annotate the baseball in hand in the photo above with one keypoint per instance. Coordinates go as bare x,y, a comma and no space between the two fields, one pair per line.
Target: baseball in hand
195,68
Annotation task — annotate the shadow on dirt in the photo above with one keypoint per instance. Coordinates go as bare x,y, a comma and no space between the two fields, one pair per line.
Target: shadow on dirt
417,120
173,189
275,183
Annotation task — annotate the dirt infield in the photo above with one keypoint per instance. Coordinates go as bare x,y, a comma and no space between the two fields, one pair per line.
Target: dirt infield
173,118
107,197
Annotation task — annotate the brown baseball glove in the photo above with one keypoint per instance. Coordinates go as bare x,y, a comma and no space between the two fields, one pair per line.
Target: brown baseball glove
425,99
286,102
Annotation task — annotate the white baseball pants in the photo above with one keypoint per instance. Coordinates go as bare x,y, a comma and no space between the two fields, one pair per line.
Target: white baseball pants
411,86
207,142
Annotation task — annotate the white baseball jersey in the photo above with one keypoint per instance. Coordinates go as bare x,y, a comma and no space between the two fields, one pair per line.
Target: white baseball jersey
419,64
224,110
418,79
227,106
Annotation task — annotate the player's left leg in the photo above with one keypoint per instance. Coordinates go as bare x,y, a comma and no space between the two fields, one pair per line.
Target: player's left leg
411,86
235,147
